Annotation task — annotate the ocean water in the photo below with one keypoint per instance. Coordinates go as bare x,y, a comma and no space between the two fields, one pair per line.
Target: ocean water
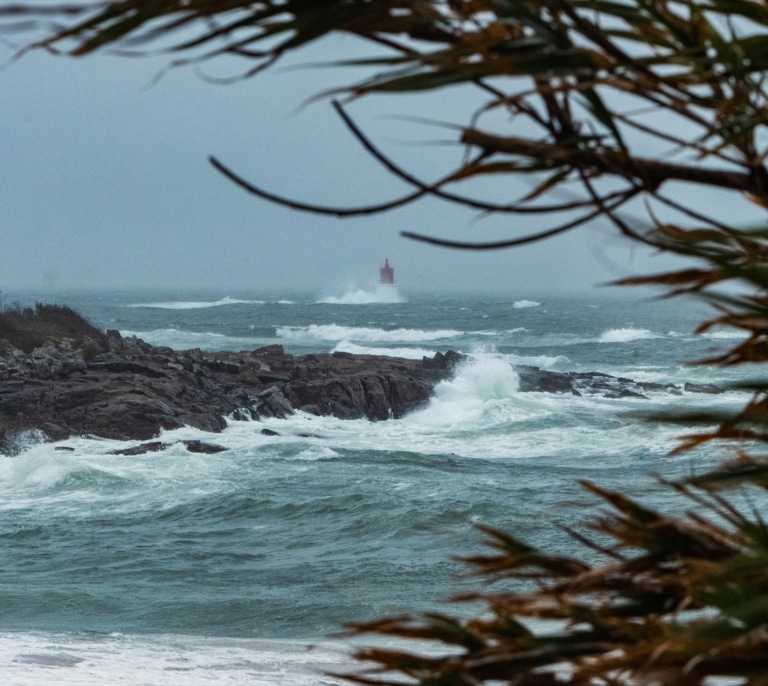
241,567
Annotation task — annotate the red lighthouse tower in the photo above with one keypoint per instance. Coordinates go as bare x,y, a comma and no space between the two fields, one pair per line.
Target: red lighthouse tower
386,273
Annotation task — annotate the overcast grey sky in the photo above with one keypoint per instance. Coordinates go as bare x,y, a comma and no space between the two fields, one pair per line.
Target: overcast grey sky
104,182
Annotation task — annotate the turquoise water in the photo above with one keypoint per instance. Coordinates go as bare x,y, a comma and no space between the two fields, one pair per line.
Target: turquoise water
179,568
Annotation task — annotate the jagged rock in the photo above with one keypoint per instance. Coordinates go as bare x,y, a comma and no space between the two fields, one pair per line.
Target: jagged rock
274,350
702,388
599,384
272,403
143,449
535,379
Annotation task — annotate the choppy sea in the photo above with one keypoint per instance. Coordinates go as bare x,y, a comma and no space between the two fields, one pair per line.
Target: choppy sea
241,567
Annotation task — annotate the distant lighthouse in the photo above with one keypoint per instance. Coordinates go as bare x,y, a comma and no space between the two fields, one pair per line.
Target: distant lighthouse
386,274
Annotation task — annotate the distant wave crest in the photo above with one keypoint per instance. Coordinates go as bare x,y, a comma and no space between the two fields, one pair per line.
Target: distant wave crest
383,294
334,332
182,340
624,335
520,304
195,304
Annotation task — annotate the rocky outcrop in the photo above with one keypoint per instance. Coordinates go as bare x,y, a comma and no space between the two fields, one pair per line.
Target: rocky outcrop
128,389
124,388
602,385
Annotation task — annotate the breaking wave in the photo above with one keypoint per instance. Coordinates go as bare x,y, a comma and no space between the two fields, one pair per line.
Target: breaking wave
408,353
195,304
625,335
334,332
382,294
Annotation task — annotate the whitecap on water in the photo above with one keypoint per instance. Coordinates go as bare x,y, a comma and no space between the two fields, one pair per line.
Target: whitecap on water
542,361
625,335
335,332
182,340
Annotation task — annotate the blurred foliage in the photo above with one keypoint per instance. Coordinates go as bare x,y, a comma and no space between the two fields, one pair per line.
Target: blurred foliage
610,109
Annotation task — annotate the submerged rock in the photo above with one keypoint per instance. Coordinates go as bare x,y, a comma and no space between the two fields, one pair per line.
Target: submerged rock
157,446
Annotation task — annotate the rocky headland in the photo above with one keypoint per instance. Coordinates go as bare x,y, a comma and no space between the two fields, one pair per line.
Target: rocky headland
123,388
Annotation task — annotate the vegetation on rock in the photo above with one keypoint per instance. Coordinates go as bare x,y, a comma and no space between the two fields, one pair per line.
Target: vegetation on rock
29,328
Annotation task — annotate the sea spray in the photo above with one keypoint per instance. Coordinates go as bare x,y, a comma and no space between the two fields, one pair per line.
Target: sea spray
17,443
383,294
463,399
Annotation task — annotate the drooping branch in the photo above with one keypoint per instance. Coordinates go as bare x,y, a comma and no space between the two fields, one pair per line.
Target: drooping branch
308,207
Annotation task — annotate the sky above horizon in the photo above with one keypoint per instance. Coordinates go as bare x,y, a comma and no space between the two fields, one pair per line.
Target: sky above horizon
105,183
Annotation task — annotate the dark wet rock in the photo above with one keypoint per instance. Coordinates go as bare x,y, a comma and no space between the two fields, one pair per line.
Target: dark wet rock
444,361
709,388
156,446
535,379
600,385
143,449
127,389
203,447
269,432
271,403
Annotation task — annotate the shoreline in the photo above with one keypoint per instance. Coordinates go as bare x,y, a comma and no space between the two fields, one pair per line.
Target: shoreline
124,388
127,389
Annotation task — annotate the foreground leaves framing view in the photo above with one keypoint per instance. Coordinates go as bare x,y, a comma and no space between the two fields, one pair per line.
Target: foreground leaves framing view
614,110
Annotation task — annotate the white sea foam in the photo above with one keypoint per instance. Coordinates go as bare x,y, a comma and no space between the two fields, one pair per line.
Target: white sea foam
480,413
39,659
81,473
625,335
195,304
382,294
334,332
520,304
463,399
408,353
